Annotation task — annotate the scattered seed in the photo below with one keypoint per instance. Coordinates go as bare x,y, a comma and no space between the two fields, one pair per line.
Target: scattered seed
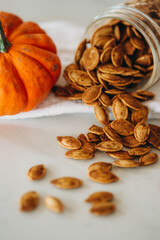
53,204
29,201
67,182
37,172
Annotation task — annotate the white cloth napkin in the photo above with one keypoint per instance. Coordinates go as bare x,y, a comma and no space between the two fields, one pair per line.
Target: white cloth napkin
66,36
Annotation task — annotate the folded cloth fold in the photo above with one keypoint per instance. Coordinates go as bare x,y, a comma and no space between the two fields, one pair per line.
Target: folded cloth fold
66,36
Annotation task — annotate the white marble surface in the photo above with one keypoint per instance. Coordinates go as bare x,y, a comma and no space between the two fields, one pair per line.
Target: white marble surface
24,143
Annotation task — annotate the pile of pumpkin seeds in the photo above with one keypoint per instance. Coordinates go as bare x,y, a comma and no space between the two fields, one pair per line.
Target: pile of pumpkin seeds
105,74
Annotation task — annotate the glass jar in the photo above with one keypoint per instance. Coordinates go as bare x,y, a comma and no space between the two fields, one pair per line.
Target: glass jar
144,15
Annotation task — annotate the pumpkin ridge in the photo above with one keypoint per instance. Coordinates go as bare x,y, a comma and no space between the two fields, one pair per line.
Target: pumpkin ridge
13,97
31,39
35,59
41,93
37,62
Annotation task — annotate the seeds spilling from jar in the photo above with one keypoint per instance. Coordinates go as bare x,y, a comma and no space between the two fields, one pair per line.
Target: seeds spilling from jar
107,68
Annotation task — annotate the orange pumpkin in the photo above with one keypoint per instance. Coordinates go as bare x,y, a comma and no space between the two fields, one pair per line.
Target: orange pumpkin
29,65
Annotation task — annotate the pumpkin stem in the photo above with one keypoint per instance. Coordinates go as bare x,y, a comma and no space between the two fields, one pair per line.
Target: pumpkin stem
4,44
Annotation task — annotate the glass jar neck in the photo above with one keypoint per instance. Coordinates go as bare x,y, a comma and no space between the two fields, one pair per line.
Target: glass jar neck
148,28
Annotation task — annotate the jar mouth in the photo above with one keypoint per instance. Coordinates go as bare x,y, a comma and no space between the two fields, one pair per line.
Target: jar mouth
143,23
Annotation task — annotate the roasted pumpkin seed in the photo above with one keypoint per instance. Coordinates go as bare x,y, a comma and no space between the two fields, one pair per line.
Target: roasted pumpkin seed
98,197
130,101
53,204
123,127
80,154
101,115
126,163
96,129
90,58
102,208
111,134
80,49
119,109
139,151
29,201
148,159
141,131
109,146
37,172
102,176
69,142
91,94
121,155
67,182
100,165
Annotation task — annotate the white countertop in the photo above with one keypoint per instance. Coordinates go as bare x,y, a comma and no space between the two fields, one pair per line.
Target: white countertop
25,143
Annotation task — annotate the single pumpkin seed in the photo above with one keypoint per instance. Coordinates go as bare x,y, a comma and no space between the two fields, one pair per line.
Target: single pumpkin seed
141,131
105,100
80,154
130,101
36,172
117,55
109,146
139,151
148,159
96,130
117,32
80,77
53,204
121,155
80,49
119,109
69,142
91,94
102,176
154,139
67,182
98,197
101,115
29,201
90,58
100,165
123,127
102,208
126,163
92,137
111,69
105,56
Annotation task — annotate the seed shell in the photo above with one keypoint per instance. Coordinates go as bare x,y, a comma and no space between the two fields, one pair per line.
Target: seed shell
96,129
138,115
90,58
100,165
92,137
148,159
117,55
80,77
126,163
69,142
67,182
130,141
53,204
98,197
139,151
105,100
102,208
101,115
130,101
121,155
80,49
154,139
91,94
141,131
123,127
120,110
87,146
109,146
81,154
102,176
111,134
29,201
36,172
